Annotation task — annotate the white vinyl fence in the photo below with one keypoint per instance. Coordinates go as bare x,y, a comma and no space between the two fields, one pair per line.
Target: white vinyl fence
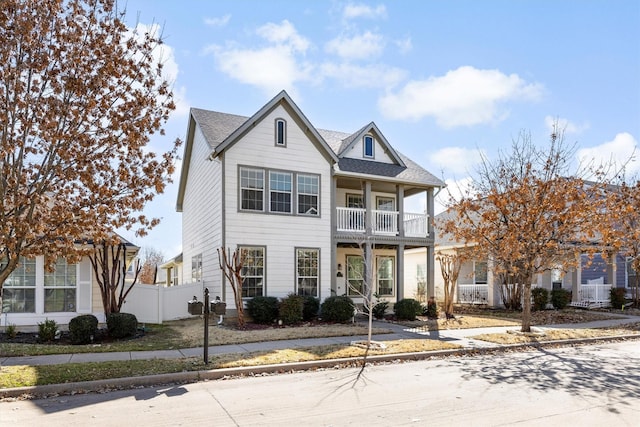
156,304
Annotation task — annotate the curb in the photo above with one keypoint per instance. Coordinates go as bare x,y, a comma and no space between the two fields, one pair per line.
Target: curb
32,392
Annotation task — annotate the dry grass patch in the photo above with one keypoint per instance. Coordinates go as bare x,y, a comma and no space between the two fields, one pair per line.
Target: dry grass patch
460,322
560,334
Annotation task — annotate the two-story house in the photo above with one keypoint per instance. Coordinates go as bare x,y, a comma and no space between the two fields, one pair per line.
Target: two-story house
308,207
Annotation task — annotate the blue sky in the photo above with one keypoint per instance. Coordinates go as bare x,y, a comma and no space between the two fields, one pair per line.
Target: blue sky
443,80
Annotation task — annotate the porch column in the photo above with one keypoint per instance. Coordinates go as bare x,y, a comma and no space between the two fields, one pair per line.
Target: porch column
400,272
575,280
333,257
400,202
368,203
430,212
431,289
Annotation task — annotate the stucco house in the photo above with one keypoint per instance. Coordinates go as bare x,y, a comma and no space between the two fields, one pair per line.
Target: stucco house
32,295
301,203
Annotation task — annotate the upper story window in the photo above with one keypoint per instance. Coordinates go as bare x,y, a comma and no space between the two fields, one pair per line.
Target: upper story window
280,192
196,268
252,189
368,146
308,190
281,133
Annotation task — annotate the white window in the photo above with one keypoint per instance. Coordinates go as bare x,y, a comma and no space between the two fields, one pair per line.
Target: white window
368,146
280,192
480,272
60,288
386,274
631,274
281,133
19,290
252,189
196,268
355,275
307,271
308,190
252,271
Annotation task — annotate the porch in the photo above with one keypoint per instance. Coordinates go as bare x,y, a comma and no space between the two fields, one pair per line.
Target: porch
383,222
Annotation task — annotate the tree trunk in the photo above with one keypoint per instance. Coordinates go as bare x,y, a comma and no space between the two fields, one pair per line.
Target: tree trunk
526,307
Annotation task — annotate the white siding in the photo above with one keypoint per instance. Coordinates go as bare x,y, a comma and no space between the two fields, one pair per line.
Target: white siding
279,233
357,152
201,217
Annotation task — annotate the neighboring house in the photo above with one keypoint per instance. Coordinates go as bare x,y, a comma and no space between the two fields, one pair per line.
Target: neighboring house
172,269
32,295
588,284
299,202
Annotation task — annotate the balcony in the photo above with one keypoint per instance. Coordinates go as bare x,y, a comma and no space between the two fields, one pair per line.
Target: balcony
353,220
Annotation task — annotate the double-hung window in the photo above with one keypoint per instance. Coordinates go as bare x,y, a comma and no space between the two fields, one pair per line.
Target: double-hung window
19,290
480,273
252,189
355,275
60,288
196,268
280,192
308,190
386,272
307,271
252,271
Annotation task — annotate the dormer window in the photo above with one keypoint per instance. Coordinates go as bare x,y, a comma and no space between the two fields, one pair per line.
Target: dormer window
281,133
368,146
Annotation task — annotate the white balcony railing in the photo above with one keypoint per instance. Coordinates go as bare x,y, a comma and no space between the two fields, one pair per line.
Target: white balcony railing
473,294
599,293
353,220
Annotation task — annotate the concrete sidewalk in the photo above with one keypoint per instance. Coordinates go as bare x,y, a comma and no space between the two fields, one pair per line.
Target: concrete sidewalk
461,337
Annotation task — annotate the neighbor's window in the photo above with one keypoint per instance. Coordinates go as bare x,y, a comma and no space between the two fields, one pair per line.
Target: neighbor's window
308,190
196,268
252,189
19,290
252,271
368,146
386,272
355,275
480,273
60,288
281,133
631,274
307,271
280,192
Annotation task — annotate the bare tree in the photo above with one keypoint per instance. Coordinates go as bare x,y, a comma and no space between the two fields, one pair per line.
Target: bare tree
232,266
528,212
80,93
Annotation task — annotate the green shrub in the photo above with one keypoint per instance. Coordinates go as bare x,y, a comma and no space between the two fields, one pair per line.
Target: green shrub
82,329
11,331
290,309
617,297
122,325
310,308
380,309
560,298
47,330
338,309
407,309
540,298
431,309
263,309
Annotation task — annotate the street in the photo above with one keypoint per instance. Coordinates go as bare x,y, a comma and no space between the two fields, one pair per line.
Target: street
587,386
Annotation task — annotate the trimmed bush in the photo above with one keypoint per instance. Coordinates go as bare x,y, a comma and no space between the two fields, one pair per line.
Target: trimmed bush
290,309
263,310
122,325
11,331
82,329
617,297
380,309
540,298
407,309
310,308
560,298
338,309
47,330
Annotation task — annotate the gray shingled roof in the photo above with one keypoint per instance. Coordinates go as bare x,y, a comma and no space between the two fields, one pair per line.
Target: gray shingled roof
217,126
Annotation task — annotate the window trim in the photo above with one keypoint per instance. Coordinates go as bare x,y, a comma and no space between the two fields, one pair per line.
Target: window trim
290,192
67,286
346,201
486,282
277,139
298,276
21,270
364,147
198,270
300,193
264,269
241,188
393,274
362,280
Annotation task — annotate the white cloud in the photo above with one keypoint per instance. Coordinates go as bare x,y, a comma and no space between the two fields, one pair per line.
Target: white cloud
363,46
619,151
462,97
368,76
565,124
218,21
453,192
457,160
404,45
352,11
272,68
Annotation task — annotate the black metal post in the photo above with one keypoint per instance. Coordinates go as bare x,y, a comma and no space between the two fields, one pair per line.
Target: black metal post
206,326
